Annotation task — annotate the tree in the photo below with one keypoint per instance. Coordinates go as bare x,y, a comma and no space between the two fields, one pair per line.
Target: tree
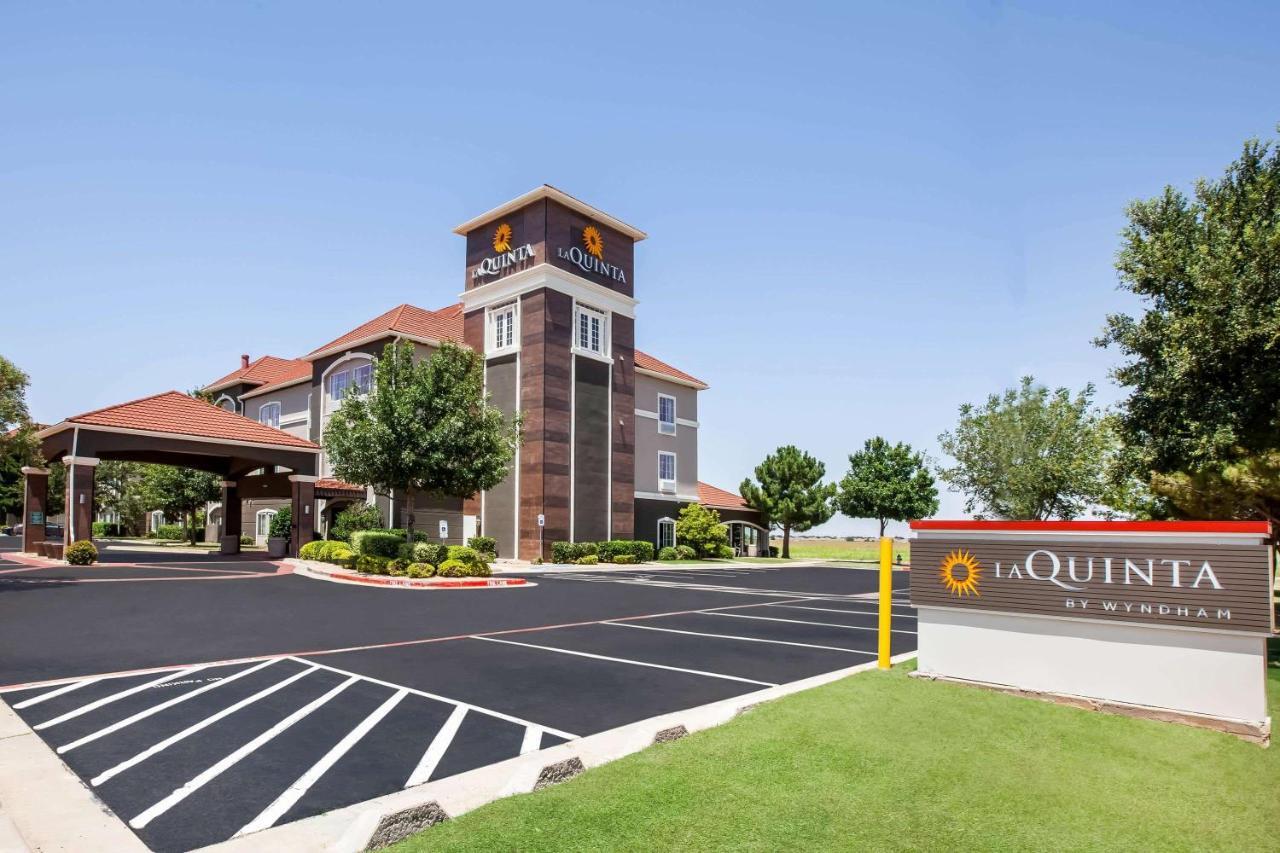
887,482
120,488
180,492
789,492
1030,454
1201,424
700,528
353,518
424,427
18,446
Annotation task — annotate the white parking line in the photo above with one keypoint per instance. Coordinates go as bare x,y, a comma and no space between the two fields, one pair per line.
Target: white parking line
52,694
628,661
107,700
734,637
295,792
532,740
437,748
213,772
190,730
839,610
805,622
155,709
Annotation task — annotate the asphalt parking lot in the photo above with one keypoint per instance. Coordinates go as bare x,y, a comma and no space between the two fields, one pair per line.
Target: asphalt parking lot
245,697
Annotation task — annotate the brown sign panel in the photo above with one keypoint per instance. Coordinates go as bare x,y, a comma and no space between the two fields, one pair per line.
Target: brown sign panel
1202,585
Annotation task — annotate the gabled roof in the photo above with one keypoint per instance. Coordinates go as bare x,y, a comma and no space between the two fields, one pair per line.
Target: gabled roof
263,371
709,495
559,195
406,320
646,363
176,413
301,373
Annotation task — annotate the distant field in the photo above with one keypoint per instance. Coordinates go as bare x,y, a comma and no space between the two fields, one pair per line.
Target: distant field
838,549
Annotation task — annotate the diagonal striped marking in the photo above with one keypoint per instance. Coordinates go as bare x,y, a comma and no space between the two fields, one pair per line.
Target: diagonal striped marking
735,637
114,697
437,748
53,694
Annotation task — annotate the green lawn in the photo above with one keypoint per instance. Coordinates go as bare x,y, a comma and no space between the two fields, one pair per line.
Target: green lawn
881,761
838,549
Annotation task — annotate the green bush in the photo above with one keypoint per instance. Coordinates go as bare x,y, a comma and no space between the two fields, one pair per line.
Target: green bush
625,559
684,552
468,556
724,552
421,570
312,550
480,570
588,560
281,522
102,529
399,568
699,527
246,539
668,554
377,543
171,532
564,552
371,565
434,553
485,545
335,552
353,518
81,553
453,569
611,550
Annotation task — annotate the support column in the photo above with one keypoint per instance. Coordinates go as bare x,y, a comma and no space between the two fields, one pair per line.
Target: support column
80,476
302,528
230,542
34,504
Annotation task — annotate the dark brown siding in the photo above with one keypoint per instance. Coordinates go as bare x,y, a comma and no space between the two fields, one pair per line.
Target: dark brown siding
499,519
1242,570
528,225
647,513
564,231
624,427
591,450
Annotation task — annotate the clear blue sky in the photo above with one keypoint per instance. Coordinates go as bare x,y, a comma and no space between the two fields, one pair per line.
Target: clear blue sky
859,217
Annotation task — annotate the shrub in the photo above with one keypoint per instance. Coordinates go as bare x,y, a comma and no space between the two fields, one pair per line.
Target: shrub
434,553
399,568
625,559
684,552
377,543
467,556
480,570
335,552
103,528
611,550
699,528
353,518
668,554
173,532
421,570
281,522
588,560
312,550
246,539
773,551
81,553
485,545
371,565
564,552
724,552
452,569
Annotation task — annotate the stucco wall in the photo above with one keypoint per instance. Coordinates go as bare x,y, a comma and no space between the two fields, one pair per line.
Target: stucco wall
649,441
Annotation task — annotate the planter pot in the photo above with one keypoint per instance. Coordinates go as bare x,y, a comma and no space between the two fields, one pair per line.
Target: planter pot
277,546
55,551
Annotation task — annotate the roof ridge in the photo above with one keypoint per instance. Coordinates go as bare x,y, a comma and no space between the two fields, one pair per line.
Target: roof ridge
130,403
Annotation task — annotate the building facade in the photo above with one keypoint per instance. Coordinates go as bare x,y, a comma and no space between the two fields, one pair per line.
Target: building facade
610,446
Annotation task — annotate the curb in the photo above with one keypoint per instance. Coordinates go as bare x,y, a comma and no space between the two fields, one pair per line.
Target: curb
654,566
360,826
324,572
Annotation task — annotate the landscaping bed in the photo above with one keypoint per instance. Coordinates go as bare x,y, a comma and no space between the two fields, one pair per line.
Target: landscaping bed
341,575
882,761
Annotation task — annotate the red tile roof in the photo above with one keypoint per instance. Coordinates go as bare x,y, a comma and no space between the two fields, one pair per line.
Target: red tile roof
266,370
442,325
709,495
644,361
300,372
338,485
176,413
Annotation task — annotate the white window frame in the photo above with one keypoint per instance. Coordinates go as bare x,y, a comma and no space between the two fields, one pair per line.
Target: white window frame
661,523
227,398
494,339
664,427
347,365
581,312
259,536
274,405
667,486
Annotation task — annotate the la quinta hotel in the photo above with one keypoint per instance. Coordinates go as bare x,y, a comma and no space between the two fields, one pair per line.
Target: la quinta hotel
610,432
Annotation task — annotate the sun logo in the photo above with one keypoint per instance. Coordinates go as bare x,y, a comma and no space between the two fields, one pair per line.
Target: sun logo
960,573
502,238
593,241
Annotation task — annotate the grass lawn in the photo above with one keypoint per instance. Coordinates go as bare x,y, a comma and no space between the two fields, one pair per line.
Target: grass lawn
838,549
881,761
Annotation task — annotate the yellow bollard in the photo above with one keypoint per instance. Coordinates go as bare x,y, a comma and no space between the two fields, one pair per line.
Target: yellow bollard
886,598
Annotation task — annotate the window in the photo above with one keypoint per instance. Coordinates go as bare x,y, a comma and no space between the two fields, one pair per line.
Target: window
360,378
264,523
269,414
666,472
591,332
338,384
363,376
666,533
502,328
666,414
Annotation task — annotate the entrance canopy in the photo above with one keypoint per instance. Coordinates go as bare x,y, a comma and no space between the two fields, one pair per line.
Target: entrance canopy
175,429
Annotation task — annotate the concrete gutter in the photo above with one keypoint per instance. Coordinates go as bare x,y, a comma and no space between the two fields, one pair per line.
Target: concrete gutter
390,818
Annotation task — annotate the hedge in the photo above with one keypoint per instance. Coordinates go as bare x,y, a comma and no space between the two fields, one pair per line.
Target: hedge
377,543
574,552
485,545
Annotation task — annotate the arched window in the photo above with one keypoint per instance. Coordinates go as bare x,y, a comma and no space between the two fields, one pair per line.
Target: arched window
157,519
666,533
263,529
